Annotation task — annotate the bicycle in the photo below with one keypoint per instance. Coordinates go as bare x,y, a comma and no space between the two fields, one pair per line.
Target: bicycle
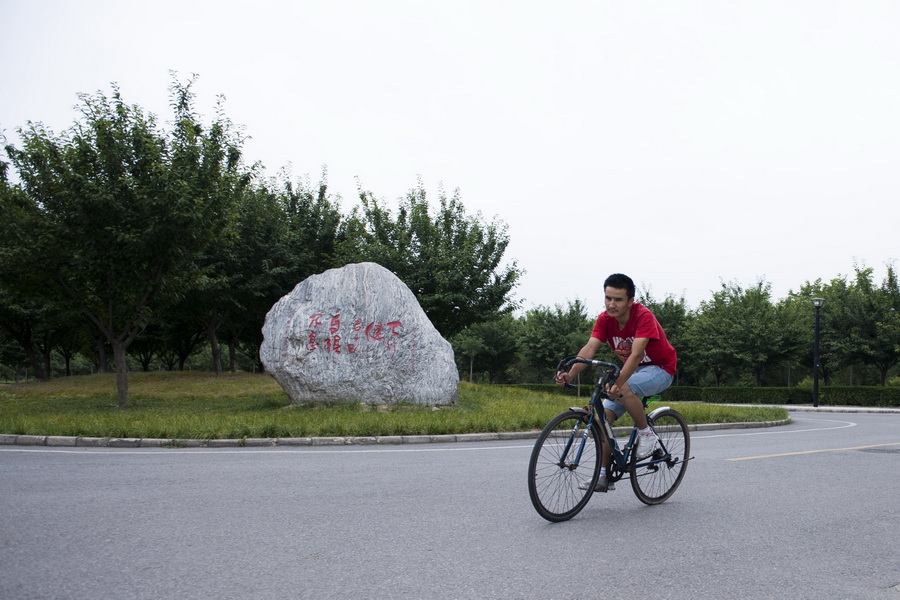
565,463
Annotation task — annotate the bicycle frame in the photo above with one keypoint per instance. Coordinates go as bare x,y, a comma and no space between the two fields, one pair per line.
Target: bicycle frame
619,456
598,394
560,484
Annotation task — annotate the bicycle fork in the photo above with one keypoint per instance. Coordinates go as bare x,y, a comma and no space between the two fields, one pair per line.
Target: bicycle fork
572,437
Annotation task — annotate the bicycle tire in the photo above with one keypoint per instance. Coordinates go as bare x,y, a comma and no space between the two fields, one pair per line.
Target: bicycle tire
654,479
554,483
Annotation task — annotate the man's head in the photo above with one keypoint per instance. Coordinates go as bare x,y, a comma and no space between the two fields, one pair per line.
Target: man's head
620,282
618,293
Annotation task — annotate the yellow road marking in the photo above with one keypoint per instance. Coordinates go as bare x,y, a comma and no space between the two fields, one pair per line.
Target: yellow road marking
812,452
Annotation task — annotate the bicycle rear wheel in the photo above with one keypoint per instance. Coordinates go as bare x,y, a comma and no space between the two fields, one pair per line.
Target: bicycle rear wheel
656,477
554,479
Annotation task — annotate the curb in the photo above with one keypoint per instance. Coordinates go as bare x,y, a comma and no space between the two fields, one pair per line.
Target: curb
57,441
98,442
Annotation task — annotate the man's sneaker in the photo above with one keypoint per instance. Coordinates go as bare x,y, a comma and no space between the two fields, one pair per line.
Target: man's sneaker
603,485
646,444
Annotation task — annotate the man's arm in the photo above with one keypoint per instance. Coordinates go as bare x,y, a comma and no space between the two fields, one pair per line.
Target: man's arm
589,351
638,351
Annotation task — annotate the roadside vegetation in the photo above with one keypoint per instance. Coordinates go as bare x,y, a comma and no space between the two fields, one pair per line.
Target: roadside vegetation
199,405
135,242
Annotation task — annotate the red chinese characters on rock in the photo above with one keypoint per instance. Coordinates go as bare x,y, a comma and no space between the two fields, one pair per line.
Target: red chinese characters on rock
315,322
356,327
329,339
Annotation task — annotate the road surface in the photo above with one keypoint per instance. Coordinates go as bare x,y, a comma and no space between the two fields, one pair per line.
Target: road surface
808,510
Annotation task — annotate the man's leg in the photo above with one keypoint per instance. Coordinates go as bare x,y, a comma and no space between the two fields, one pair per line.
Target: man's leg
605,450
634,406
604,484
646,439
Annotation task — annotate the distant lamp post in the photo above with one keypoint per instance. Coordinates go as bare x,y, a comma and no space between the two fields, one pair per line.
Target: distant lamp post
817,302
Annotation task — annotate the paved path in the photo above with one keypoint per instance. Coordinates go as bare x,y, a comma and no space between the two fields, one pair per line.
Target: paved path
807,511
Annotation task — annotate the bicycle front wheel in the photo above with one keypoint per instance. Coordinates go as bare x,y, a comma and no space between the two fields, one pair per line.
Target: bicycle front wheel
564,466
656,477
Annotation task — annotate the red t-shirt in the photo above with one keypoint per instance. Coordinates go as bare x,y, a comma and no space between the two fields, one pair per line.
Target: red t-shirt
641,324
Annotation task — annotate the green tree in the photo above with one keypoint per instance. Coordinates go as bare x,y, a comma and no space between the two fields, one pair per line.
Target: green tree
870,321
314,229
674,316
833,354
20,312
12,358
740,330
119,212
860,323
72,337
286,231
549,335
468,344
888,324
451,261
21,320
181,334
148,345
490,346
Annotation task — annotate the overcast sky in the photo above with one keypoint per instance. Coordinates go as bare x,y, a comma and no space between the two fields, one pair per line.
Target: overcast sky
684,143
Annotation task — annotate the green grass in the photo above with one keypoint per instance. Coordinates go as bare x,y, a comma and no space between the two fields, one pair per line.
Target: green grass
200,405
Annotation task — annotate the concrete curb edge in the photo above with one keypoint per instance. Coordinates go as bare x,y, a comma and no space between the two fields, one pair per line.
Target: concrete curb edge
99,442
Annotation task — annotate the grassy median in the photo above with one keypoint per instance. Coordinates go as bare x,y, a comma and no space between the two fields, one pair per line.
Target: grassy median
198,405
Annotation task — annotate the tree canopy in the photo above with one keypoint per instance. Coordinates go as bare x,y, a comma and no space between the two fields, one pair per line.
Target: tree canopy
160,237
116,214
153,242
450,260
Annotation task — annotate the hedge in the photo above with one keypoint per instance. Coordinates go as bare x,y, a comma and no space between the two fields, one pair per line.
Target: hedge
881,397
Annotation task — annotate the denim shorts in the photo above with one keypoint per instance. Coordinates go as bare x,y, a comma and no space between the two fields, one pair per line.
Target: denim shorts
645,381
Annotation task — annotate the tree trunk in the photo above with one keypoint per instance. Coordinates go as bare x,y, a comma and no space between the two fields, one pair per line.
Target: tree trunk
48,362
121,372
36,363
102,359
212,325
23,337
215,347
232,356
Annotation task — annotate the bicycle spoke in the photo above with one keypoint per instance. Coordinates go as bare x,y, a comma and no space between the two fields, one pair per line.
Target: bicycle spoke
654,479
554,478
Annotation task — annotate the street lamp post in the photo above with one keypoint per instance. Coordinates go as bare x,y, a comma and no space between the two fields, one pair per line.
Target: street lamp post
817,302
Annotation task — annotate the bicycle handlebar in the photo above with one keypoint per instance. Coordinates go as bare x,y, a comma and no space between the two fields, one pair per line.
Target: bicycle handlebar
611,371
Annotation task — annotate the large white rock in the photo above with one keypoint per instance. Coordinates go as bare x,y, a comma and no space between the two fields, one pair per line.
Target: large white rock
357,334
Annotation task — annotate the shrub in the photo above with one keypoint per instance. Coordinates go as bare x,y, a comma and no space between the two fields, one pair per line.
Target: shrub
883,397
879,397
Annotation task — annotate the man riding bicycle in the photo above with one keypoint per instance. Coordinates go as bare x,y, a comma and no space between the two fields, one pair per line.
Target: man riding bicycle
639,341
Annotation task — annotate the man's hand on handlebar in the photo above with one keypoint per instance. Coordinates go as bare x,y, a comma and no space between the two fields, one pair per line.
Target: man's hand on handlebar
569,368
614,392
563,378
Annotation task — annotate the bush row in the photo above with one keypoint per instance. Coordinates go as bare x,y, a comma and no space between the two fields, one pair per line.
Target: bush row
881,397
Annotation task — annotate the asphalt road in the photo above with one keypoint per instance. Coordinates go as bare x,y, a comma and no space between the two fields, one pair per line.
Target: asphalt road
808,510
